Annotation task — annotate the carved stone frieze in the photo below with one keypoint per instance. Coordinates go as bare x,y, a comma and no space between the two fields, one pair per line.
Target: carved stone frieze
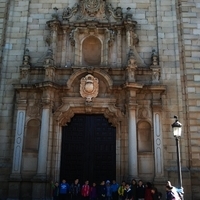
89,87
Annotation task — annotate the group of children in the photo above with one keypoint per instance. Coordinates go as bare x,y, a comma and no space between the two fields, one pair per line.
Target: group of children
105,191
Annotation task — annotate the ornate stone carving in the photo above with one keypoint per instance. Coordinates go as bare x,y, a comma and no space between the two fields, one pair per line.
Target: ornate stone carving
155,68
155,75
71,37
92,6
48,40
55,15
89,87
112,38
92,9
34,110
143,113
25,67
26,61
131,68
129,14
49,58
154,58
69,12
115,13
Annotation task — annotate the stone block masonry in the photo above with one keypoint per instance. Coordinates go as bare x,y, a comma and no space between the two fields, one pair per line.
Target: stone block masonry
171,27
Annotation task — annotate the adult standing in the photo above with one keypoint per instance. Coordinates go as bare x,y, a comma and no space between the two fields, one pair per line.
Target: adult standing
140,190
102,191
134,189
64,190
75,190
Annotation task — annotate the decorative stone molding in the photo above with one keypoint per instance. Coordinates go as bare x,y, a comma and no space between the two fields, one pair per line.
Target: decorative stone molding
89,87
71,106
78,72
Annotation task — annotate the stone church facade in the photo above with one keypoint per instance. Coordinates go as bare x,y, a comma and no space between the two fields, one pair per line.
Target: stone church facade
133,63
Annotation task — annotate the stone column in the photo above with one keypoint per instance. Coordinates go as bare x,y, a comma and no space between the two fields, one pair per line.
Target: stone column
106,47
132,141
43,145
132,137
119,45
18,145
158,145
64,49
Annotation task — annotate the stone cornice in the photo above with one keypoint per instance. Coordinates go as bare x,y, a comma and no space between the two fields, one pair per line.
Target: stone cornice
133,86
37,86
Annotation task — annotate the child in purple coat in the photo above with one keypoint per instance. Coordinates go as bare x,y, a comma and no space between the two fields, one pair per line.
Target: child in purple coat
93,192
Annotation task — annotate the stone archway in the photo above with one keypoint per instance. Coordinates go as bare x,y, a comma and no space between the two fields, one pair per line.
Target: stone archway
72,106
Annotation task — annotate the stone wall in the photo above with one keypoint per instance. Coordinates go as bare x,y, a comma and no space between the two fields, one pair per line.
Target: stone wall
171,27
189,54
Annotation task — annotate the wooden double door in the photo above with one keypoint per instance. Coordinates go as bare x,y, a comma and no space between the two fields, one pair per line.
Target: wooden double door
88,149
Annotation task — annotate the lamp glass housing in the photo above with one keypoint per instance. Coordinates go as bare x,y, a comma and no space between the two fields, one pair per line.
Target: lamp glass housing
177,131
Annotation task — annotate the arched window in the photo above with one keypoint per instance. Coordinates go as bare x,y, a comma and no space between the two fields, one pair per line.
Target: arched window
144,137
32,135
91,49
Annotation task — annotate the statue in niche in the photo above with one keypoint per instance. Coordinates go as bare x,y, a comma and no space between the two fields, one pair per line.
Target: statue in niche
155,68
154,58
132,66
155,75
24,68
89,87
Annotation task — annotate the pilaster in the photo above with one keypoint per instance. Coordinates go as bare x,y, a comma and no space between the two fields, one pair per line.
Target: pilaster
18,144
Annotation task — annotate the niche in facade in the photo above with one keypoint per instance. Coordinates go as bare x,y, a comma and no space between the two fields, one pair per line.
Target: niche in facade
91,50
144,137
32,135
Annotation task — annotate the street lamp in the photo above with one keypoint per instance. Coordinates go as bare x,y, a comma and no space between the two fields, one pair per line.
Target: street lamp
177,130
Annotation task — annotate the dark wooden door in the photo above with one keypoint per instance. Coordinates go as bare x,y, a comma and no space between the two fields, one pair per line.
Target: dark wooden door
88,149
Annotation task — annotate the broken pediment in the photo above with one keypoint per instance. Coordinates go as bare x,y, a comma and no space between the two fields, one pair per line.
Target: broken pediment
93,10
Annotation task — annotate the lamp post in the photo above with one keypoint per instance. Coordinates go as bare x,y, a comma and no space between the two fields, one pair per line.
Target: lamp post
177,130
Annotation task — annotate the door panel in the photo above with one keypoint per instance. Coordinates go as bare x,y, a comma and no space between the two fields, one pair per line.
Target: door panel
88,149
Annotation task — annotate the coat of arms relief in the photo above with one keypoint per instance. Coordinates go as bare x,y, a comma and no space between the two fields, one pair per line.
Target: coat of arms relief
92,6
89,87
